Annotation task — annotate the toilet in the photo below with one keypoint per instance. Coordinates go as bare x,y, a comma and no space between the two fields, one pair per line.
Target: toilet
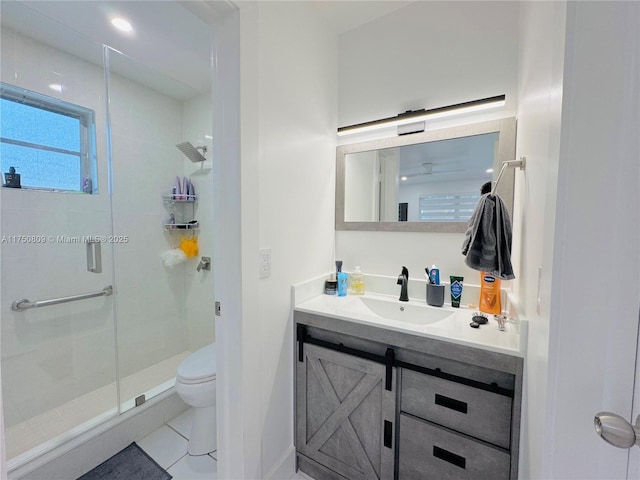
196,385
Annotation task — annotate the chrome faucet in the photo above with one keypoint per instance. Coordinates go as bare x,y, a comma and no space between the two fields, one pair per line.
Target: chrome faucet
205,262
403,279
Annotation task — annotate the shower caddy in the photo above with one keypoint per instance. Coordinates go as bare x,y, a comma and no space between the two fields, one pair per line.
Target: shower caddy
183,208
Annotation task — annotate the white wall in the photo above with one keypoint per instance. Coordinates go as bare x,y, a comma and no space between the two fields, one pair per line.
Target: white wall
288,122
425,55
541,59
361,174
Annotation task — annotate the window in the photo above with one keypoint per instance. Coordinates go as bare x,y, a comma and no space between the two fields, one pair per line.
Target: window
50,143
449,207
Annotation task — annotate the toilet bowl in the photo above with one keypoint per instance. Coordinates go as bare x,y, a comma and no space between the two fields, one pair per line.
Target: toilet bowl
196,385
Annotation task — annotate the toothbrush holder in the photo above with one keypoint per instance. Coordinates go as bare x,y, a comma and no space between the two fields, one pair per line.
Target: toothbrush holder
435,295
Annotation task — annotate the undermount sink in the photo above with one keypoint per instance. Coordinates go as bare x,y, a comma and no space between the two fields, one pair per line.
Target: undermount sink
405,312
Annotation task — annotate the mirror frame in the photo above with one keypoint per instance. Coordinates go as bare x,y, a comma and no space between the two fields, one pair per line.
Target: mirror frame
506,127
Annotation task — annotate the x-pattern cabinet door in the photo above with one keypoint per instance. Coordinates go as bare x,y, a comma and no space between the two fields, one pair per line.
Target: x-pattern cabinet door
343,410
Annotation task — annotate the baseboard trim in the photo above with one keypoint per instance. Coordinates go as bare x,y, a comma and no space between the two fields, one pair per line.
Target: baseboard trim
285,468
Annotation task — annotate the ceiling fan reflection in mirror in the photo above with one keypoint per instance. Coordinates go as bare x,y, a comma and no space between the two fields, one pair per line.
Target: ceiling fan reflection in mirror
427,169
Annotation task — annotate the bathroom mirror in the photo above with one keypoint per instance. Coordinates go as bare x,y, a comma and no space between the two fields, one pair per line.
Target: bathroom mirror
423,182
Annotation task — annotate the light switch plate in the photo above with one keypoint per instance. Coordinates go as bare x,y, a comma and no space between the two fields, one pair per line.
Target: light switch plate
265,262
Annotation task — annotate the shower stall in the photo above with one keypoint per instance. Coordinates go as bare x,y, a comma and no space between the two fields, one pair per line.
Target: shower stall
94,320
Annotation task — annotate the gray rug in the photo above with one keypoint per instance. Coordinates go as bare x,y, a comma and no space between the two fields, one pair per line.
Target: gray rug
132,463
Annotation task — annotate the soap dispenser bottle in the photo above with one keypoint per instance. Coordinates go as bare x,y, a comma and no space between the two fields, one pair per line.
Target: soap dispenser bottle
357,282
342,279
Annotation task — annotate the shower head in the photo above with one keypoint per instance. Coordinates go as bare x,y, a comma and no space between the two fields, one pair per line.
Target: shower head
192,152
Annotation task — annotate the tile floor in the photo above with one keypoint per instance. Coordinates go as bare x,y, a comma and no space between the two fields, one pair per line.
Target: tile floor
168,447
301,476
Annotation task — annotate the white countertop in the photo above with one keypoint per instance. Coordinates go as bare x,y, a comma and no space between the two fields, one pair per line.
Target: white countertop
454,328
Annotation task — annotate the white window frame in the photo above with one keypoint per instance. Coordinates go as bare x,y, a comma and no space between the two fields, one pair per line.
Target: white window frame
86,117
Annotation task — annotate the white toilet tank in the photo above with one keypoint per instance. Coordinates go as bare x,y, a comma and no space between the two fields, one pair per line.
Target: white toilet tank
198,367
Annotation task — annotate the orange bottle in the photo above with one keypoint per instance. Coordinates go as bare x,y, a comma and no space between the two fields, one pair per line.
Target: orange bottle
490,294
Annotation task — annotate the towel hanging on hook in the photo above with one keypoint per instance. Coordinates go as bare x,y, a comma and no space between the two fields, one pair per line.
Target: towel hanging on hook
487,242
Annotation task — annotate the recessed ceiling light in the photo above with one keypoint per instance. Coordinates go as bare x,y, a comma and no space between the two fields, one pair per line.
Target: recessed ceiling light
56,87
403,178
122,24
489,170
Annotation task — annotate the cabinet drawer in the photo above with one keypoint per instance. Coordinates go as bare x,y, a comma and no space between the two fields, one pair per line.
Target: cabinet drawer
431,452
476,412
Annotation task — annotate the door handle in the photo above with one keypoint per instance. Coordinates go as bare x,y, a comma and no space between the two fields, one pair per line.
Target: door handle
94,256
615,430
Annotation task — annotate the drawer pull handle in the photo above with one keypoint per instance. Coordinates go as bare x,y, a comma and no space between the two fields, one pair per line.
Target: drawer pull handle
447,456
451,403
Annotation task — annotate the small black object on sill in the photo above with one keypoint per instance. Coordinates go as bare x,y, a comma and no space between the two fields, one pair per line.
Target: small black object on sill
12,179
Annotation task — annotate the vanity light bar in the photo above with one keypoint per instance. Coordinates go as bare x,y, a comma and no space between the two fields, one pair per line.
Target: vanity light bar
412,116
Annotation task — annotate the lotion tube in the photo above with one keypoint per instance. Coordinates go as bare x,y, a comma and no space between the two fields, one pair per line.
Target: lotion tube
456,290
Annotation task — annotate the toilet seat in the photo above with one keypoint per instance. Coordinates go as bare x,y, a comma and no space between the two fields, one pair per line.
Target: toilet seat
199,367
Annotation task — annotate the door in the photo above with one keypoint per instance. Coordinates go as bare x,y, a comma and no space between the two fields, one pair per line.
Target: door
594,321
633,470
342,412
618,432
57,330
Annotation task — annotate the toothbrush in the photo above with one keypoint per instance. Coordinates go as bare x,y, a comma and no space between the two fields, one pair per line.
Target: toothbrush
428,275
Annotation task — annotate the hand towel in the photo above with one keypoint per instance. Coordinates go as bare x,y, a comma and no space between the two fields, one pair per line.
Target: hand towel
487,241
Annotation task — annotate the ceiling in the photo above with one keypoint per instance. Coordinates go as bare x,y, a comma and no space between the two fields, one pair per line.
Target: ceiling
342,16
168,38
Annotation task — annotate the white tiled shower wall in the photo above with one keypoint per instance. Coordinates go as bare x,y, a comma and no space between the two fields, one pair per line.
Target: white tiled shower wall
197,128
65,350
55,354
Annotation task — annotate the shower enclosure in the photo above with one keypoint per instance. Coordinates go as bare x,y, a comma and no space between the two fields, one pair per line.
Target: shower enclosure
93,322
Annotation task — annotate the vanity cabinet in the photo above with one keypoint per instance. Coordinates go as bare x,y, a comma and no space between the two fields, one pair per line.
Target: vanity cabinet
372,403
345,414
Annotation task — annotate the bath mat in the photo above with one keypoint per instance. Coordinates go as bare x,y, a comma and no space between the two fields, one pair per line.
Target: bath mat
132,463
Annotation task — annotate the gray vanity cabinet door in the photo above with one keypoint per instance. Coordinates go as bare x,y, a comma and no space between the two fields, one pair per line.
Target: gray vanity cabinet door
341,409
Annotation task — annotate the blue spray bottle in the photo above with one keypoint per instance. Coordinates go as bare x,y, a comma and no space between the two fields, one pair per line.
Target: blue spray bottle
342,279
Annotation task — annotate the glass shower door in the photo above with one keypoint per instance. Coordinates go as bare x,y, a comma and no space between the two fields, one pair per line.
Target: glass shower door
58,350
161,314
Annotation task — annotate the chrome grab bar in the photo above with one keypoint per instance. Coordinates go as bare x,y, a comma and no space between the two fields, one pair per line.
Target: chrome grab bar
24,304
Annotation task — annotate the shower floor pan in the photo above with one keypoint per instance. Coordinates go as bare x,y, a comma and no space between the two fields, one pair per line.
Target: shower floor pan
49,429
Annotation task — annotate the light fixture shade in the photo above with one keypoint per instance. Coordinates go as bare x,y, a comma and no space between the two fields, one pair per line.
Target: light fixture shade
413,116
